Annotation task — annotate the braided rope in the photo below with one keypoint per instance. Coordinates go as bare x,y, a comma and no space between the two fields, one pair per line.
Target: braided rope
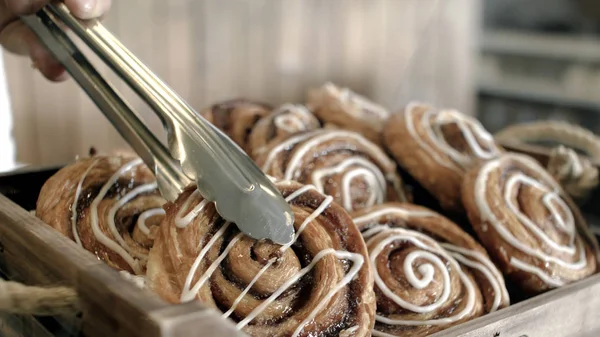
17,298
576,173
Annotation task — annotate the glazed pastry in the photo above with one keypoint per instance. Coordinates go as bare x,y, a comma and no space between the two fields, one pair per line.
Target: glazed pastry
287,120
470,255
437,147
420,287
344,108
236,118
321,285
109,205
529,226
343,164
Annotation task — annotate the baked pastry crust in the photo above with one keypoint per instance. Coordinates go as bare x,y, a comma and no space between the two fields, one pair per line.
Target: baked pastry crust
470,255
529,225
236,118
437,147
320,286
343,164
285,121
109,205
420,287
348,110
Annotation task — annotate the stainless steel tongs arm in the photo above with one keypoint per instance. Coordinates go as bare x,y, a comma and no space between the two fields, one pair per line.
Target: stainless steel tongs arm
124,119
223,173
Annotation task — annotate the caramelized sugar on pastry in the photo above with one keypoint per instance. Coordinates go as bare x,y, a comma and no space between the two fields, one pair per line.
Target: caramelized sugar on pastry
471,256
343,164
437,147
285,121
109,205
319,285
348,110
236,118
532,229
420,287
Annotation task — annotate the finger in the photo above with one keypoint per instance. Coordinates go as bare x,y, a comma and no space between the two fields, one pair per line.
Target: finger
15,37
88,9
18,38
46,63
22,7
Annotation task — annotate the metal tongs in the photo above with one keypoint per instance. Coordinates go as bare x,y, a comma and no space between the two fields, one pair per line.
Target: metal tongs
243,194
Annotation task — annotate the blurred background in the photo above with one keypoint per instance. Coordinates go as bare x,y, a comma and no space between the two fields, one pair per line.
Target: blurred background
505,61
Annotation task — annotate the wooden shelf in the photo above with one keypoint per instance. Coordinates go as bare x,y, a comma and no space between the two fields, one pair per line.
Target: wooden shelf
547,94
549,46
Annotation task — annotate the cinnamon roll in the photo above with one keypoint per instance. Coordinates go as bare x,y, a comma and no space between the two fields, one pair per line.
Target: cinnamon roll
287,120
343,164
528,224
319,285
236,118
420,287
470,255
109,205
437,147
348,110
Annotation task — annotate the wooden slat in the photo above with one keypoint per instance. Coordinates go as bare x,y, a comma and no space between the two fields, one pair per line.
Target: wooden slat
569,311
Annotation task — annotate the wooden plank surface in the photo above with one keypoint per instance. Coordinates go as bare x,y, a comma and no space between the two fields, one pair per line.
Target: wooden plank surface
573,310
272,50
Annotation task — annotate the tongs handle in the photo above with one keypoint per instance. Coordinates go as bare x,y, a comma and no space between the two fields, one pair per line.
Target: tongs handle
163,100
224,174
121,115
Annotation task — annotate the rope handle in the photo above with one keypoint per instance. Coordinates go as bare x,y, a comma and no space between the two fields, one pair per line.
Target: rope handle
17,298
20,299
577,174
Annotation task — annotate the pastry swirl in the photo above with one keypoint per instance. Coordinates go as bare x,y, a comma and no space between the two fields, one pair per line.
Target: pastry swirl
420,287
285,121
320,285
469,254
109,205
236,118
347,110
528,224
343,164
438,147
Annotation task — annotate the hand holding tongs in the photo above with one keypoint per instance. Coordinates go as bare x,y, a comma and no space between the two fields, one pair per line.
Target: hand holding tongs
198,151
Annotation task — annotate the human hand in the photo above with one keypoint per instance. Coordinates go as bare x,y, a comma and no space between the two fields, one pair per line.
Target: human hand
18,38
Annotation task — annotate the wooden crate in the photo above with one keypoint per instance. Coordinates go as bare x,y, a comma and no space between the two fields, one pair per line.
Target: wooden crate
32,252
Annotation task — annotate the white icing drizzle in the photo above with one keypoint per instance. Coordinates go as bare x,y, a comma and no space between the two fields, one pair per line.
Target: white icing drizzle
294,120
565,225
499,225
363,107
183,221
432,122
478,261
430,253
189,293
100,236
368,170
141,222
120,247
112,226
365,169
75,202
137,280
468,257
